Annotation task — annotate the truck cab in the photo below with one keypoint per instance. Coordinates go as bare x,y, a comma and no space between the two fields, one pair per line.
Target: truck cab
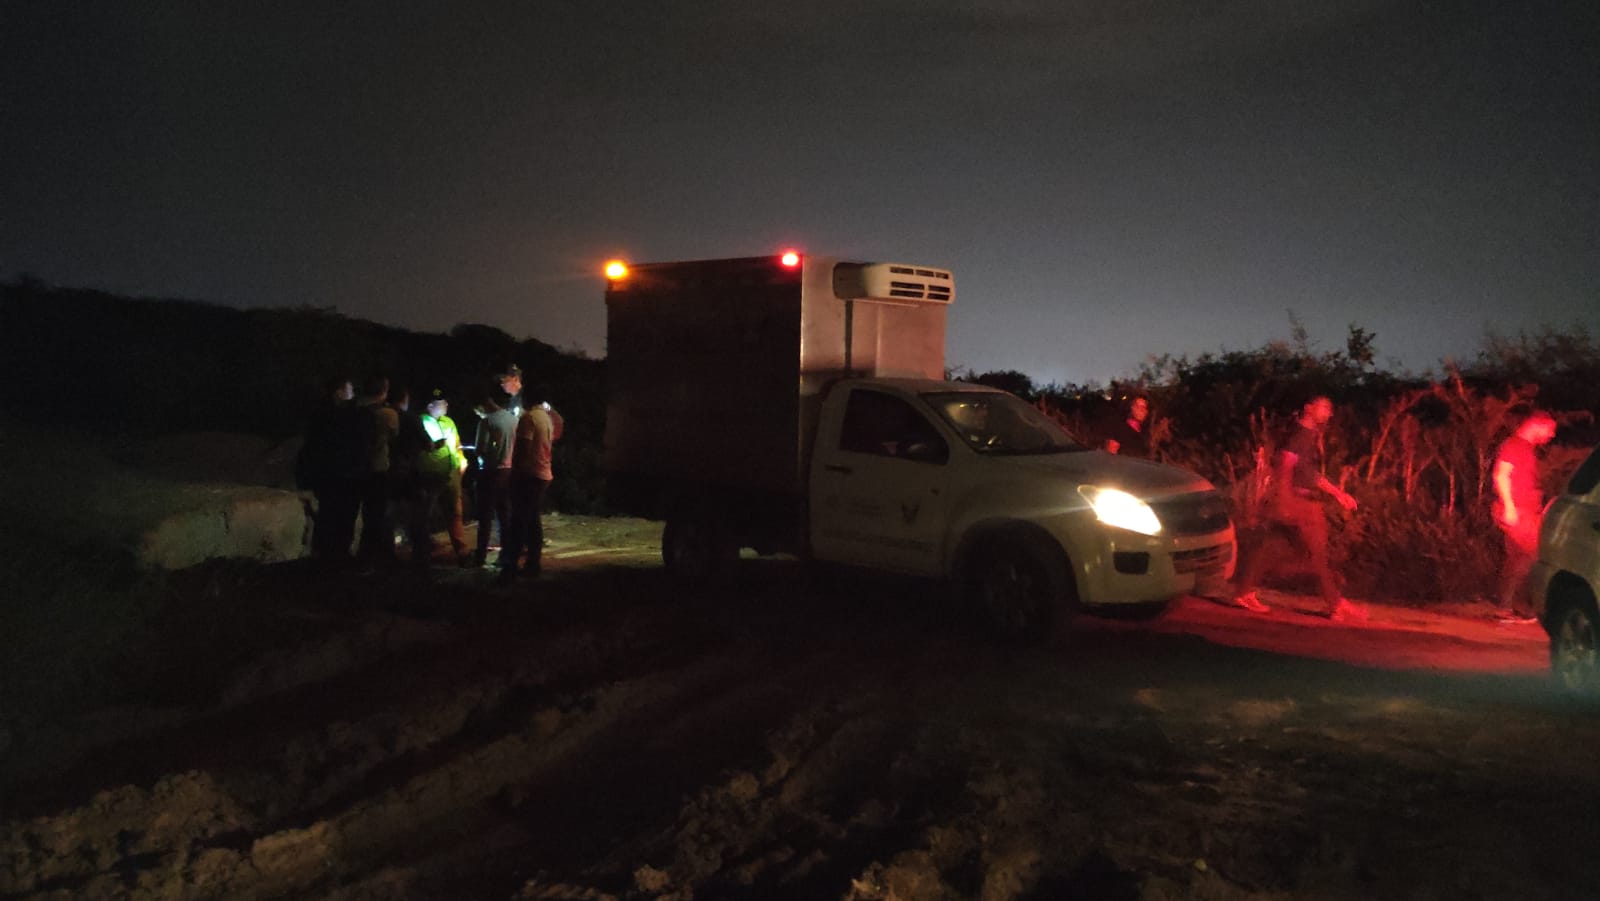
793,404
972,485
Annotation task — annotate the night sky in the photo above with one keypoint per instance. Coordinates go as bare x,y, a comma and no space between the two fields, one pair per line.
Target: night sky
1107,179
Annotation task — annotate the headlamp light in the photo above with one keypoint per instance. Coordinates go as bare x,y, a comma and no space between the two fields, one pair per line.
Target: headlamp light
1121,510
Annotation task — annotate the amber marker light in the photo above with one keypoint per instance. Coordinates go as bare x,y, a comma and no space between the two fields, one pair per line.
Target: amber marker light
790,259
616,269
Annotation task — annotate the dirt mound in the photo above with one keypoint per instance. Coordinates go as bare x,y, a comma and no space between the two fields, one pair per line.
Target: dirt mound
225,458
170,502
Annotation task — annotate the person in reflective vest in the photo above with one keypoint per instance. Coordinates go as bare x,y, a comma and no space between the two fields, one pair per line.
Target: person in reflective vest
440,464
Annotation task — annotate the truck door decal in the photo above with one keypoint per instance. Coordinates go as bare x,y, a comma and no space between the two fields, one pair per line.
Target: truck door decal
888,511
908,512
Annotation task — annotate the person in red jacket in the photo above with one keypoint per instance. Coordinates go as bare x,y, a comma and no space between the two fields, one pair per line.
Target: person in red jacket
1518,507
537,429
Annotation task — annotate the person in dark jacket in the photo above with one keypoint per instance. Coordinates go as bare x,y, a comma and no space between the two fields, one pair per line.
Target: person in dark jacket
1129,437
493,445
381,425
332,443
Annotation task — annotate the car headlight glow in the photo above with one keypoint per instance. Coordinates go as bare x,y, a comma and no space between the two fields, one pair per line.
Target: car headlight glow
1121,510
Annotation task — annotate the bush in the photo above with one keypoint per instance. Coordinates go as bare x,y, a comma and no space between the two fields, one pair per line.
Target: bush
1417,551
133,369
1417,453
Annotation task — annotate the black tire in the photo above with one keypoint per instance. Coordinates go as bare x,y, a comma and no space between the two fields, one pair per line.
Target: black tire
1574,653
1020,590
696,548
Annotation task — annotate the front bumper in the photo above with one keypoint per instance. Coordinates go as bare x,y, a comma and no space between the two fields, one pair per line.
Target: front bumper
1118,567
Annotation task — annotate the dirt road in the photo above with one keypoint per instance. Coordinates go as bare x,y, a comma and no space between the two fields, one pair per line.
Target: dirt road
602,734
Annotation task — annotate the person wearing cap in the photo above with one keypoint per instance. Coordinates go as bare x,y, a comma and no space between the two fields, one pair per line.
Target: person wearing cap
511,389
439,465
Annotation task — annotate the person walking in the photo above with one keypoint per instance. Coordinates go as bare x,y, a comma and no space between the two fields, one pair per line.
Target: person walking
1518,509
1296,524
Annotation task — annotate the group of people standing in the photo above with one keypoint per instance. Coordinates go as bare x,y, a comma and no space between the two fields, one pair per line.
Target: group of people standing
369,456
513,446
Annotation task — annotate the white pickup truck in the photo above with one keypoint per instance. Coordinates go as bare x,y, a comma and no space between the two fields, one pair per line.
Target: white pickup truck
796,404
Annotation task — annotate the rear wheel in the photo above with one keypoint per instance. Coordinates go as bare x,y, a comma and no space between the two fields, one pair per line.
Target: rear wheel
696,547
1019,590
1574,657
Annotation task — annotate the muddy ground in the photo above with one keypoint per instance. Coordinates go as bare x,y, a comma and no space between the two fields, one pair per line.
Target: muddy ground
602,733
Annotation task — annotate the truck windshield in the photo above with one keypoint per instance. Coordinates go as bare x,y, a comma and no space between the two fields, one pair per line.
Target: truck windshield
992,422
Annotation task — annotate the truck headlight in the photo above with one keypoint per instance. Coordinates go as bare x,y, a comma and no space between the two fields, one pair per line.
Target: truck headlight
1120,509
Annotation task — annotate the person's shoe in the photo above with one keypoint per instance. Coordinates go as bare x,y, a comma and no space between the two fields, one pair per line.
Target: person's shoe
1347,612
506,576
1251,601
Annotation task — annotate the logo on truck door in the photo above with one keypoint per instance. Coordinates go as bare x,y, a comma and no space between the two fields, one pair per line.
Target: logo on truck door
908,512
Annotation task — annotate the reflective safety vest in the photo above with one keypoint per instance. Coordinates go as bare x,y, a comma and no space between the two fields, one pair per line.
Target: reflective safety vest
443,458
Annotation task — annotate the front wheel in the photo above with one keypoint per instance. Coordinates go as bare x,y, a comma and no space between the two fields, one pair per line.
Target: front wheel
1019,592
1574,658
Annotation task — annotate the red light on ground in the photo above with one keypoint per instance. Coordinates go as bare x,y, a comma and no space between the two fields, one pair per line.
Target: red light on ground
790,259
616,269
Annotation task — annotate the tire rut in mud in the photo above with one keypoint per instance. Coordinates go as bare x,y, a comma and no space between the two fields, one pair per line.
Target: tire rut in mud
269,796
777,745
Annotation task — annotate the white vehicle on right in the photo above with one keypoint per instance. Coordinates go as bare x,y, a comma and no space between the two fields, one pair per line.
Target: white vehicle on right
1566,577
